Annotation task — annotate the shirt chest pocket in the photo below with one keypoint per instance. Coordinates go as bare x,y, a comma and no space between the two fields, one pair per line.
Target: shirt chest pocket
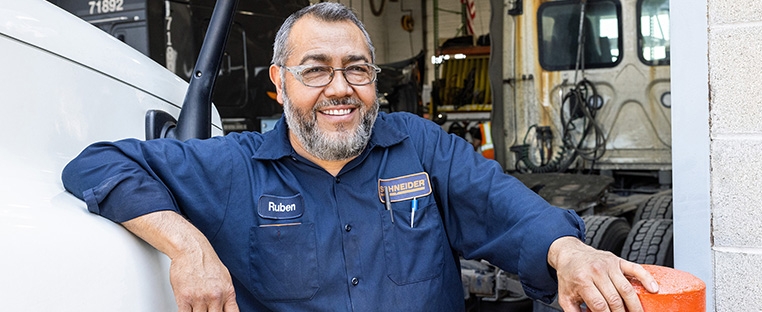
413,254
284,262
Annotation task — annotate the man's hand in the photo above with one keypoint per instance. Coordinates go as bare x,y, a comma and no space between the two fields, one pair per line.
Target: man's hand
200,282
596,278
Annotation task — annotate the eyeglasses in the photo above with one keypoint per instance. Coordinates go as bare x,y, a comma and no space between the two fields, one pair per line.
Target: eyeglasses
322,75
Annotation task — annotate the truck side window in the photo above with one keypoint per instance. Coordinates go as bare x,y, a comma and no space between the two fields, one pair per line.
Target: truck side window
559,24
653,38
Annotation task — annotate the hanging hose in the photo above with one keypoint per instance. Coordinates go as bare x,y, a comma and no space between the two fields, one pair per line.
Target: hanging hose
580,64
524,163
583,103
559,163
580,100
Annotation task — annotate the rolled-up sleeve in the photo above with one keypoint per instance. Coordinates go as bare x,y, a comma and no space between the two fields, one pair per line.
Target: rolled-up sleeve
115,181
126,179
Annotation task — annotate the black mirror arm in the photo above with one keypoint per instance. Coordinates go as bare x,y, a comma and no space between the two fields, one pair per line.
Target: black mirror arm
196,115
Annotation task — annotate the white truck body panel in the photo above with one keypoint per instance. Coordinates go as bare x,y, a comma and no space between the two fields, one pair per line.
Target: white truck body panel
67,84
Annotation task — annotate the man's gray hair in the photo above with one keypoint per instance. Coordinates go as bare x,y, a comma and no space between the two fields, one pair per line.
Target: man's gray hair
324,11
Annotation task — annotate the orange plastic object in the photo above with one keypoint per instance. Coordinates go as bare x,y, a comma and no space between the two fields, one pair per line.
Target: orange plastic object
678,291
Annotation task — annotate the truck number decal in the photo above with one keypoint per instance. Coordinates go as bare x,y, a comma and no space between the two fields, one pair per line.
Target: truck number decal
106,6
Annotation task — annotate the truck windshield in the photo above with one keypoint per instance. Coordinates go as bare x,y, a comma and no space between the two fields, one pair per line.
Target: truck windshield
653,38
559,24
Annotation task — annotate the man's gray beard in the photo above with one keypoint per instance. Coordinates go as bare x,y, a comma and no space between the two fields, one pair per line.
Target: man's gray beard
338,145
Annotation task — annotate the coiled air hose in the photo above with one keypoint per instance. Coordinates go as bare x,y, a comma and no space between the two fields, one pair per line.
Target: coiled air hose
582,100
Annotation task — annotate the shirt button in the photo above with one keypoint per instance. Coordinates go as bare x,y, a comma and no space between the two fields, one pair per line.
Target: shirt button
338,180
347,228
355,281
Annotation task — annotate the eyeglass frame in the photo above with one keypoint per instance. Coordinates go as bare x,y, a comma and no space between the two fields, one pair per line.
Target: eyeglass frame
297,72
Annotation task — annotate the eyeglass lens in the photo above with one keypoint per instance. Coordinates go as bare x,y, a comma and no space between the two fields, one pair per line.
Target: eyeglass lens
318,76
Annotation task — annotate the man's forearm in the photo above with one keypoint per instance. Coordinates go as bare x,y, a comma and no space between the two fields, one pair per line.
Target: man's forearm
199,279
169,232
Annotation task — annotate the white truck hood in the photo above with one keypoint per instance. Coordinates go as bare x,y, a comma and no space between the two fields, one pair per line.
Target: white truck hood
66,84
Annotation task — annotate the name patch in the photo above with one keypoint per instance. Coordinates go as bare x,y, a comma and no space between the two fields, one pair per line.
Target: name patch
407,187
279,208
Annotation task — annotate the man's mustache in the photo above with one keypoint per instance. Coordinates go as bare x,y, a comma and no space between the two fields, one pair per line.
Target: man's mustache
337,102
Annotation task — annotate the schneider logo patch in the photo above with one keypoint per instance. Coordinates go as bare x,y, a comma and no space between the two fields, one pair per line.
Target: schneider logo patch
278,207
407,187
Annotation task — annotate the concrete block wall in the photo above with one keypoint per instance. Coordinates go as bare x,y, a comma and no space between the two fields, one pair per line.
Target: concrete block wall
735,87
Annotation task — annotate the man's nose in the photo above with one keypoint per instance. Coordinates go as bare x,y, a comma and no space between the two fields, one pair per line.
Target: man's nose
339,87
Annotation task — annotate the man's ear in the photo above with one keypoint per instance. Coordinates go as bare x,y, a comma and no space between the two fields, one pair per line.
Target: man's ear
276,79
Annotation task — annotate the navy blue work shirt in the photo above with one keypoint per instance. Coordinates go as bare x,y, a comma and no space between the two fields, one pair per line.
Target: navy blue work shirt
295,237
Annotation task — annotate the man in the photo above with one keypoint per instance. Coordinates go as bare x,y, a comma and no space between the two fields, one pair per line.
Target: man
339,208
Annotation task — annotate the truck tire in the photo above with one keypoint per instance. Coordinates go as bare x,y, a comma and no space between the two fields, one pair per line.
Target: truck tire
650,242
606,232
658,206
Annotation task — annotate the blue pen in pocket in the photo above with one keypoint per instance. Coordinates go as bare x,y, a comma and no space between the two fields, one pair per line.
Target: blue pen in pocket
413,208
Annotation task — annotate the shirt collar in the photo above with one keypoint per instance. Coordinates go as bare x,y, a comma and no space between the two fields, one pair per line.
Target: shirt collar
276,144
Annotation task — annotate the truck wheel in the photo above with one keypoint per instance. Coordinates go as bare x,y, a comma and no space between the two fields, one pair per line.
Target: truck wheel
650,242
606,232
658,206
